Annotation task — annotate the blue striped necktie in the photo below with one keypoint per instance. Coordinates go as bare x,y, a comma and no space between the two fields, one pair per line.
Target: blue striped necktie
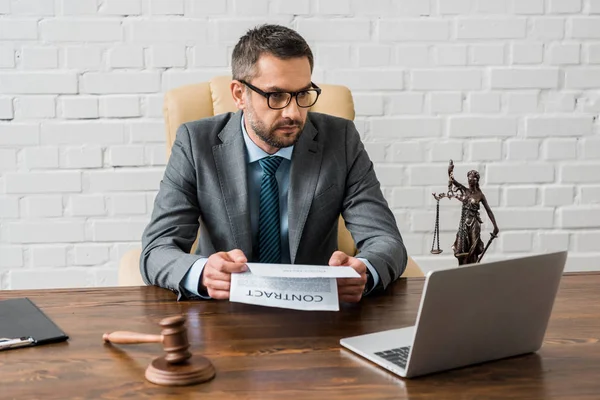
269,238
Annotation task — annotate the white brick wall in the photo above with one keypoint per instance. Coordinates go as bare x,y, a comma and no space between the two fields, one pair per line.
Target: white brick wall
511,88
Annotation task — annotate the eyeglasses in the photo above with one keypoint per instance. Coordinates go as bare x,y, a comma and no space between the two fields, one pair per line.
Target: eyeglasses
279,100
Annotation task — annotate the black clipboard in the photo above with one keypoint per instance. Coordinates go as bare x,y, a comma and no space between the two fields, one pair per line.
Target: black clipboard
22,323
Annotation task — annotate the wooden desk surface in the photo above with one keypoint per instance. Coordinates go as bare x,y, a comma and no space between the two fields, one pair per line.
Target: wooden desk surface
264,353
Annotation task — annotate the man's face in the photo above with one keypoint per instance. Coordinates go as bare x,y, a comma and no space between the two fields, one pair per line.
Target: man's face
272,129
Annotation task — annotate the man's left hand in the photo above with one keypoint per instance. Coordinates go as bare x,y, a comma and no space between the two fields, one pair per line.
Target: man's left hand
350,289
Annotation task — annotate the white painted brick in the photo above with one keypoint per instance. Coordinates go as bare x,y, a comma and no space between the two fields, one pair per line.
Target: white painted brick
414,30
7,56
491,28
90,254
80,57
89,132
114,230
456,6
579,217
147,131
33,107
564,6
41,157
166,56
152,105
580,173
107,276
389,175
78,7
125,56
436,175
522,103
444,151
297,7
524,218
485,150
79,107
559,126
121,7
38,82
43,182
413,55
335,30
48,256
451,55
585,28
167,7
367,79
167,31
32,7
408,197
492,6
18,29
8,160
11,256
210,56
42,206
405,127
560,149
517,242
81,30
587,241
483,126
124,180
590,194
4,9
519,173
156,154
590,147
230,30
552,241
126,204
484,102
333,56
487,54
561,54
120,82
126,156
527,53
6,108
368,104
547,28
86,205
255,7
172,79
202,8
524,78
424,222
50,278
333,7
400,7
376,151
592,50
553,196
520,196
408,152
414,243
9,207
559,102
81,157
522,150
594,6
48,231
120,106
445,103
25,134
39,57
584,78
374,55
463,79
528,7
406,103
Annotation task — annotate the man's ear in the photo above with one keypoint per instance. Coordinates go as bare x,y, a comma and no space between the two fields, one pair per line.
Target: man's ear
237,91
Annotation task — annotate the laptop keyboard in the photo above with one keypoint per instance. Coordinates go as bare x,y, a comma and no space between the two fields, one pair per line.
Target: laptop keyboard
397,356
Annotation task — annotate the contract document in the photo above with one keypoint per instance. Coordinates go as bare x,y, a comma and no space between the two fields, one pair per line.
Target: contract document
294,286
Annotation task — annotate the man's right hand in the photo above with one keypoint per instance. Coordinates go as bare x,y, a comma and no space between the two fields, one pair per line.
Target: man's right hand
216,276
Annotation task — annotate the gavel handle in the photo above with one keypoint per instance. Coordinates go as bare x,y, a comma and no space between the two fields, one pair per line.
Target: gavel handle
126,337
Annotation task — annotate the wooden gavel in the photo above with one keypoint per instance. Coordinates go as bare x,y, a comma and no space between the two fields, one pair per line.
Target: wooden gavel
177,367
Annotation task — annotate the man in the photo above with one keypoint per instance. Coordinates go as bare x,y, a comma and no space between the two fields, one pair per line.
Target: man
268,183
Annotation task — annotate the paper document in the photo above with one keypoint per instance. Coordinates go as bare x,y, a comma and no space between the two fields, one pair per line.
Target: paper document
298,287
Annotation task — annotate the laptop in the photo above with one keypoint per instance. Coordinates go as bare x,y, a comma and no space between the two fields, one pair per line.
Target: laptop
469,315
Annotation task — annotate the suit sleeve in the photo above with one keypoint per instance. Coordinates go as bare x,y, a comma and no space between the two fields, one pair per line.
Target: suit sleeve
367,215
168,238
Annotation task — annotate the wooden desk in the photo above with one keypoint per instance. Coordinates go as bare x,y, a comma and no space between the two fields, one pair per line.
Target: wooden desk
272,353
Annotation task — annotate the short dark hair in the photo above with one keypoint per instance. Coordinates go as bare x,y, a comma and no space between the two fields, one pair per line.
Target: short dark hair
280,41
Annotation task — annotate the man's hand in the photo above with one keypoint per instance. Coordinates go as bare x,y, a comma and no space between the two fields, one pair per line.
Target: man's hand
350,289
216,276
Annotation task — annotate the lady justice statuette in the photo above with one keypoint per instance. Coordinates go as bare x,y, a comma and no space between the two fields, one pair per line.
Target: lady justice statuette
468,247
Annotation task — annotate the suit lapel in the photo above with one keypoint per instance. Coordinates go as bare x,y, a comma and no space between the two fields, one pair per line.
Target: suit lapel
230,159
304,173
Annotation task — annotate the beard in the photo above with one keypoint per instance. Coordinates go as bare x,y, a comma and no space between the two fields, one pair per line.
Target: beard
270,135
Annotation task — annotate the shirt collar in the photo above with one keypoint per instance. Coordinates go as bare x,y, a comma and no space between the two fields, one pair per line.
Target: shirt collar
255,153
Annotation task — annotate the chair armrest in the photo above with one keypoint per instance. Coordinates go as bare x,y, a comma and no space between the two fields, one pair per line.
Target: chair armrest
129,269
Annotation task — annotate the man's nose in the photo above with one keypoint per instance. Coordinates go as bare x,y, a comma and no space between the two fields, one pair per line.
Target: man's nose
292,111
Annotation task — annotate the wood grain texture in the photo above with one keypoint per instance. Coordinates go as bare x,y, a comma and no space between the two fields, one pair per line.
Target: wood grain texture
263,353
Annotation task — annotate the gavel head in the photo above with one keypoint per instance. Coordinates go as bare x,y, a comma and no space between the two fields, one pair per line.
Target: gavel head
175,340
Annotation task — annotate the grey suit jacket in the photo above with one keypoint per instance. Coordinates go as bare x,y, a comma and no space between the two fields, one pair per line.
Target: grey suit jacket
205,188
